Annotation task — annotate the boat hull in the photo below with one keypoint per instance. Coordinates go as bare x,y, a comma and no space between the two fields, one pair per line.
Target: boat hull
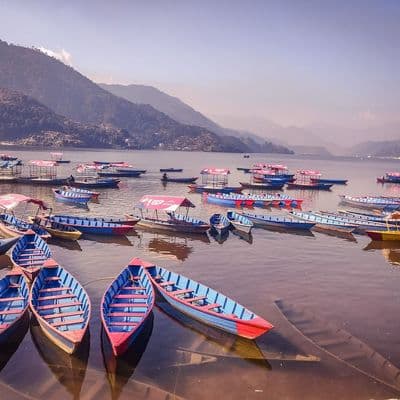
263,186
165,226
122,174
171,169
99,184
179,180
265,223
311,186
210,189
384,235
330,181
75,199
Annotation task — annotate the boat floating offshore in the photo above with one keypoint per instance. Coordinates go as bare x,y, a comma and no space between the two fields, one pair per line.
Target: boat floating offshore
240,222
228,200
389,177
14,293
94,226
370,202
171,169
94,195
61,306
308,180
29,254
126,306
277,221
219,224
324,223
214,180
166,178
205,304
150,205
73,197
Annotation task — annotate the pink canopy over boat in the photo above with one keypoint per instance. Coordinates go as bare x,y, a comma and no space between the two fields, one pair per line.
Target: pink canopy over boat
43,163
308,172
215,171
88,167
10,201
279,167
397,174
166,203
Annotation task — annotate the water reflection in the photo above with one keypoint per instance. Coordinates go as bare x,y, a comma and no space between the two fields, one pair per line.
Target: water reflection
5,261
8,349
65,244
247,237
220,238
390,250
215,343
180,250
120,369
69,370
120,240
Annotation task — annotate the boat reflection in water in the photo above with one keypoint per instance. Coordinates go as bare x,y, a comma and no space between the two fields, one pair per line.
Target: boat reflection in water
172,243
390,250
8,349
69,370
120,369
120,240
65,244
217,344
247,237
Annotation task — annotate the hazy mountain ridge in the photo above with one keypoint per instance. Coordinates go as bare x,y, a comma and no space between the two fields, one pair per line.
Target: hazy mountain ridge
24,120
385,148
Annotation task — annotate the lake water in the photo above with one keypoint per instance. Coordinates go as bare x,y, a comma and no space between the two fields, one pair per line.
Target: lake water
335,279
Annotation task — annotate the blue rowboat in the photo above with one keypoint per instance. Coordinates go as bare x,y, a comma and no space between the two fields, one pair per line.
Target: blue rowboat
94,195
229,200
267,185
362,225
219,224
277,221
330,181
14,295
95,183
6,244
29,254
324,223
126,173
121,221
371,202
214,189
309,186
61,306
205,304
240,222
11,226
171,169
71,196
125,307
370,217
92,226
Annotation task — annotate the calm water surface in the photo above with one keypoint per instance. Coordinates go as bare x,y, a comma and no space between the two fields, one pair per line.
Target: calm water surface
342,281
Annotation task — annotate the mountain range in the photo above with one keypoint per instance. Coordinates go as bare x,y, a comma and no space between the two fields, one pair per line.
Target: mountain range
69,94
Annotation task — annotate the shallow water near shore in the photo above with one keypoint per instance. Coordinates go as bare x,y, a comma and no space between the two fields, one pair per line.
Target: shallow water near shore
349,283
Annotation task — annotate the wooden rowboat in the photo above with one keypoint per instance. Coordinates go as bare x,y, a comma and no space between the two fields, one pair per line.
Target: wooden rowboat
112,220
92,226
384,235
95,195
219,224
11,226
59,230
29,254
61,306
179,180
126,306
205,304
240,222
325,223
14,295
71,196
171,169
278,221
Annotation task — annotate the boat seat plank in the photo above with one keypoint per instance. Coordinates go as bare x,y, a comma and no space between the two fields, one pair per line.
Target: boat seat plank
28,264
62,315
69,322
57,297
123,305
14,286
133,288
125,314
193,299
131,296
211,306
59,305
168,283
4,299
10,312
4,326
135,278
119,323
52,278
179,292
54,289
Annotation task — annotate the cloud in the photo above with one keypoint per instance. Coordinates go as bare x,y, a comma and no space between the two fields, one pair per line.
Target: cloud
61,55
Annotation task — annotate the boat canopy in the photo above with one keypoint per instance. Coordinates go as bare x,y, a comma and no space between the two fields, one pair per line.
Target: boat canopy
215,171
10,201
308,172
278,167
397,174
166,203
263,172
89,167
43,163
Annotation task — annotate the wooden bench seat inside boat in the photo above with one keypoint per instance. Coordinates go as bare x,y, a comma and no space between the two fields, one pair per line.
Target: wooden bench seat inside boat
57,297
168,283
52,278
211,306
10,312
125,314
54,289
59,305
119,323
3,299
133,288
181,291
123,305
62,315
193,299
131,296
68,322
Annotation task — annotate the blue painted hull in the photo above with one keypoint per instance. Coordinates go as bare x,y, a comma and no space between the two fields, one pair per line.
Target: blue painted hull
278,222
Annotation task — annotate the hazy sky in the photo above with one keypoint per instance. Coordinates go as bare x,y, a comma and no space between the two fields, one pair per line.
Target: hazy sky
292,62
